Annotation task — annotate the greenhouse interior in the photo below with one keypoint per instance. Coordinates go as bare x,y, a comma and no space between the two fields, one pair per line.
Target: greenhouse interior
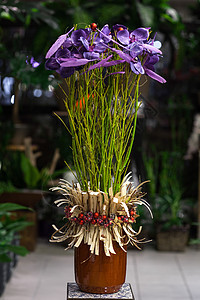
100,149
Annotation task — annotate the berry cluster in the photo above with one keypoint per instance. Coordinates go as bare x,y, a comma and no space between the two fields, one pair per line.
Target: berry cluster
125,219
93,218
96,218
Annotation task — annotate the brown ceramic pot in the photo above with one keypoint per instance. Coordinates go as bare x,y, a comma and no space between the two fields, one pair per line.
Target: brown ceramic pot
99,274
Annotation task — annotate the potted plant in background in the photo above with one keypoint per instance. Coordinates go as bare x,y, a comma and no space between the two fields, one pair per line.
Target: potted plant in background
10,228
171,209
173,231
101,71
25,184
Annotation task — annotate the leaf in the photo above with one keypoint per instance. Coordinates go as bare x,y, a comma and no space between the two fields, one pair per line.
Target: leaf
20,250
4,258
6,15
194,242
18,225
31,173
146,14
7,207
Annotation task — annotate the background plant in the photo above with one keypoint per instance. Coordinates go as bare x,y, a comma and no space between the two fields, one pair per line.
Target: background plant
10,225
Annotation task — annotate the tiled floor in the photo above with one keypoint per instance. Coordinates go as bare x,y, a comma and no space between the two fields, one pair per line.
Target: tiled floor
43,274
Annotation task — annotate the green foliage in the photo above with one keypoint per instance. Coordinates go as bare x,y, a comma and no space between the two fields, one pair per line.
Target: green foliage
8,207
166,193
7,187
31,174
9,226
147,14
26,12
18,172
195,242
19,23
25,73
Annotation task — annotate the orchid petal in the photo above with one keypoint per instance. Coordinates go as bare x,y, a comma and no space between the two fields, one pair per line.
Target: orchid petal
123,36
67,43
85,43
113,62
73,62
151,48
123,55
117,26
100,64
62,53
135,49
91,55
105,33
52,64
153,75
151,60
57,44
137,67
76,36
140,34
111,39
99,47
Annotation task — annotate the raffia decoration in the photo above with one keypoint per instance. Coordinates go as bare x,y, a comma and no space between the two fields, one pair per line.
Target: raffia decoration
113,208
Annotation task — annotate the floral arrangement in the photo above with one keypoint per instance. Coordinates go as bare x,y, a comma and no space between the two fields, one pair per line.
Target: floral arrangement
101,71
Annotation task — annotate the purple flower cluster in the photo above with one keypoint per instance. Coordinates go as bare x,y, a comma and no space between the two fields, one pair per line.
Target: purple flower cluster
103,48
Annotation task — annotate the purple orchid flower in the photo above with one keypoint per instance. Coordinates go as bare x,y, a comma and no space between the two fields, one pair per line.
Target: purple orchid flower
101,39
138,35
53,63
150,70
72,51
105,34
32,62
79,34
118,27
58,43
123,37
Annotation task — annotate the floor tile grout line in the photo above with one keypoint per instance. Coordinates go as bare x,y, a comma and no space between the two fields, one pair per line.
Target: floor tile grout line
183,277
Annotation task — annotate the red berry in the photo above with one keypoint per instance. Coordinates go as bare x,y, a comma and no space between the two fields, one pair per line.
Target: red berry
104,217
131,212
81,216
96,215
81,222
93,26
93,222
119,218
132,218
